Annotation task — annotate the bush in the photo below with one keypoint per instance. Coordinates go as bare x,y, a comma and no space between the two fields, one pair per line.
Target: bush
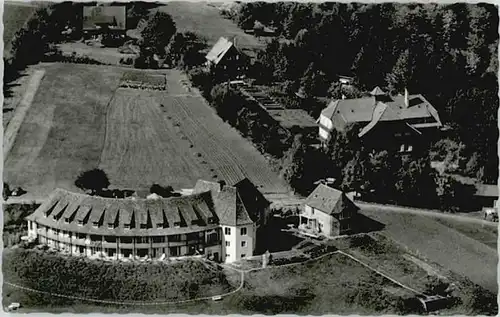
126,61
111,280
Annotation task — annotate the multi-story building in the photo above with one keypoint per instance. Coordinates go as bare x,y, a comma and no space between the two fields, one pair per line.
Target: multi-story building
394,123
216,221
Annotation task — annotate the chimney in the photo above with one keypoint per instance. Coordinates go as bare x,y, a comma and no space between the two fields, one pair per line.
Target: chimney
407,102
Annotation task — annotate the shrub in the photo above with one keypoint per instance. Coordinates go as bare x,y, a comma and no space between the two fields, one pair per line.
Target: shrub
111,280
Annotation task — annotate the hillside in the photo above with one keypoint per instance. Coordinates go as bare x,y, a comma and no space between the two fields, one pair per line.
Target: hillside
456,246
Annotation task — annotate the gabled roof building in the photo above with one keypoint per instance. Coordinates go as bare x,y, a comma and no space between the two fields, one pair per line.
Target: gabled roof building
394,116
216,221
226,58
328,212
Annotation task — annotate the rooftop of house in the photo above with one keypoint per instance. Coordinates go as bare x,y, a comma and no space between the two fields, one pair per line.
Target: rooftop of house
218,51
381,107
114,16
327,199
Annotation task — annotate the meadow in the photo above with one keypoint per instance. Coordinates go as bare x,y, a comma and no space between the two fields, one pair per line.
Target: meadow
80,119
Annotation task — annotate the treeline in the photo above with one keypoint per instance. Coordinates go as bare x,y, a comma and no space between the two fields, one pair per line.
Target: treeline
113,281
448,53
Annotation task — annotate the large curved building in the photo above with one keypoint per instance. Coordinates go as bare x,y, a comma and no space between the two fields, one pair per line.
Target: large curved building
217,221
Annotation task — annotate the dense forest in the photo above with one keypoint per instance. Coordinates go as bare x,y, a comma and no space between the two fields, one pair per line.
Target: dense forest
448,53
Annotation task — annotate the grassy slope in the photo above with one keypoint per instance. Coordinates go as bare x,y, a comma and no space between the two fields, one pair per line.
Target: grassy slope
232,156
142,147
442,244
63,132
14,17
316,288
205,20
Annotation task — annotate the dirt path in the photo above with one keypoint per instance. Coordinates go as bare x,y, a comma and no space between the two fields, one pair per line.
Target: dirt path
423,212
20,112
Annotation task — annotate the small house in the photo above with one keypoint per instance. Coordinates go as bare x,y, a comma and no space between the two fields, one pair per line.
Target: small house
328,212
226,58
108,21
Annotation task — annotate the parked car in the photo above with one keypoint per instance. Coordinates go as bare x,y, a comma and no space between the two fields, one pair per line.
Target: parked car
13,306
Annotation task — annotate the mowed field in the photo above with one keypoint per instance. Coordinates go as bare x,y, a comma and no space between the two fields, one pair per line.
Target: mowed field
14,17
205,20
63,131
464,248
80,119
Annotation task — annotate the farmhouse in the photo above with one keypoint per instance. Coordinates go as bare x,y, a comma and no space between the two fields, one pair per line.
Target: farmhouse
225,58
104,20
327,212
216,221
396,123
487,195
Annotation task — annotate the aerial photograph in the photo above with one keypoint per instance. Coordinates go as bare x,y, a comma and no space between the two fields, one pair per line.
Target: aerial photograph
304,158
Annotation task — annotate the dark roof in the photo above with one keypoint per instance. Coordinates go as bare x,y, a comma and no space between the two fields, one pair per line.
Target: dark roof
369,110
485,190
198,207
114,16
328,200
238,204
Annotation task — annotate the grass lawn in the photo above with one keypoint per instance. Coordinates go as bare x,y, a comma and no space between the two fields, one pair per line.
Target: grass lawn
446,245
205,20
63,131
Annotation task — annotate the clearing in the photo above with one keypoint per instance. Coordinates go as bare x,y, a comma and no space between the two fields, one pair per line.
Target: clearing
451,243
205,20
80,119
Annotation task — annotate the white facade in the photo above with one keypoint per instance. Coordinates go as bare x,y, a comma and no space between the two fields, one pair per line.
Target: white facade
238,242
325,127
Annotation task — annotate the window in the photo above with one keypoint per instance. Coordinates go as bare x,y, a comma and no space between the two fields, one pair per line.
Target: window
243,244
110,239
142,239
66,220
227,231
126,226
80,223
410,148
228,244
174,238
81,236
95,224
243,231
227,255
125,239
159,225
111,225
95,238
243,256
402,148
159,239
144,226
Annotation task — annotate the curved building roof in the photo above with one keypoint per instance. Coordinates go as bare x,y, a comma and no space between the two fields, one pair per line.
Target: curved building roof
76,212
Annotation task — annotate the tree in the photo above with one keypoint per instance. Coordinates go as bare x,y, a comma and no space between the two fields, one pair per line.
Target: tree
293,164
94,180
185,49
164,192
158,31
227,102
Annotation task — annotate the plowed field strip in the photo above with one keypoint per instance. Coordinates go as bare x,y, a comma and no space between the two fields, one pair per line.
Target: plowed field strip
250,161
143,148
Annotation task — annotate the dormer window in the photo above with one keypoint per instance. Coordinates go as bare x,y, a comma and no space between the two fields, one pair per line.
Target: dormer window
144,226
111,225
177,225
159,225
80,223
95,224
66,220
126,226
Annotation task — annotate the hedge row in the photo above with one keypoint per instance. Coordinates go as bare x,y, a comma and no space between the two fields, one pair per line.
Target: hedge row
142,86
118,281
